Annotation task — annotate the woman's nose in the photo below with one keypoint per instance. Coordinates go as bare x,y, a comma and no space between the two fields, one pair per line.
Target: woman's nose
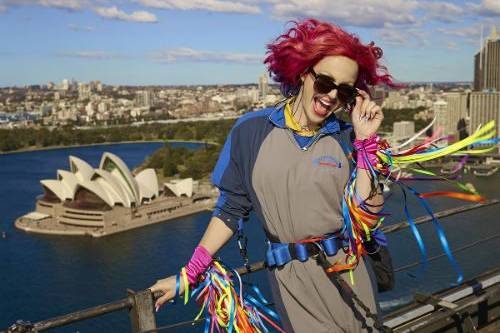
333,94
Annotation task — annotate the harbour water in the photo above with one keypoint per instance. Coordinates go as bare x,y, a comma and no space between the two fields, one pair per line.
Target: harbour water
46,276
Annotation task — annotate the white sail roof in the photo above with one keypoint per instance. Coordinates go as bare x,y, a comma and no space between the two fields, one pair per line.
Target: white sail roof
112,182
56,187
82,170
181,187
114,165
119,187
98,190
68,180
148,184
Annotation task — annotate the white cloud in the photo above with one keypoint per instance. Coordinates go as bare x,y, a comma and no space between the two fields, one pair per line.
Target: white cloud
365,13
473,31
452,46
96,55
117,14
107,12
61,4
470,34
75,27
486,7
3,8
188,54
210,5
64,4
442,11
397,36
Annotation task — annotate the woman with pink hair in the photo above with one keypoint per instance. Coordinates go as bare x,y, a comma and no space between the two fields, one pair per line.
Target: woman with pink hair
290,164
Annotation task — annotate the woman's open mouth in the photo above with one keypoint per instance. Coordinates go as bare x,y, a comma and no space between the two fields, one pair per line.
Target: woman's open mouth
322,105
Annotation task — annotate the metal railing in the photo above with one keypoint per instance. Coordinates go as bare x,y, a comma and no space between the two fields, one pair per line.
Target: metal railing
140,305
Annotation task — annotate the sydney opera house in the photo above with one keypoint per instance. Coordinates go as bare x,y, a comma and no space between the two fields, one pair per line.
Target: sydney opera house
109,199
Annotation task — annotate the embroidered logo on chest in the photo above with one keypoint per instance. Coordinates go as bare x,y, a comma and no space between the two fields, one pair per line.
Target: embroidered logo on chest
327,161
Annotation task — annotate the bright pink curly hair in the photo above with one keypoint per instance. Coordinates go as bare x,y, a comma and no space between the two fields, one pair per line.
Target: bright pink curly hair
309,41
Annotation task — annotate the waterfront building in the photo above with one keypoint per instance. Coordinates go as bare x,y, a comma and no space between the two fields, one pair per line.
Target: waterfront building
84,91
64,84
102,107
378,95
456,112
395,100
484,106
263,86
440,109
253,94
144,98
403,130
180,187
45,109
487,64
109,199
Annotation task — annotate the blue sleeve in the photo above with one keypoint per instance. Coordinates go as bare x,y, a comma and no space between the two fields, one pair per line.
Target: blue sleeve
229,177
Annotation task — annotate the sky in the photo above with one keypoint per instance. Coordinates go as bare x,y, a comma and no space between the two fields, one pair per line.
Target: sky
191,42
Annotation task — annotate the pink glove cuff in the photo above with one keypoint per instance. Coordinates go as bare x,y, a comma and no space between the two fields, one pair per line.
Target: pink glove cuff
366,152
198,263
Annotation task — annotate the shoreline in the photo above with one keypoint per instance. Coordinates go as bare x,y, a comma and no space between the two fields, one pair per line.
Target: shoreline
41,227
35,149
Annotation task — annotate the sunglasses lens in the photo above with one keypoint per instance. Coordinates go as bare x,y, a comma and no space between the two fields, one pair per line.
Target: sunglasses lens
346,94
324,84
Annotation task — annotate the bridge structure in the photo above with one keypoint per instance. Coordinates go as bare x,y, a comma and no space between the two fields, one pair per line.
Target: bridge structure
473,306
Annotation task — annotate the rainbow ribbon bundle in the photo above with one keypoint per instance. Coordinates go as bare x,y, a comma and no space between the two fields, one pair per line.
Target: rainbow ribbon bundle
224,305
361,224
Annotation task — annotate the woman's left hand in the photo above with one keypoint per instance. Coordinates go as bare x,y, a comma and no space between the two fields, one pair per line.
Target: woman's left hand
366,116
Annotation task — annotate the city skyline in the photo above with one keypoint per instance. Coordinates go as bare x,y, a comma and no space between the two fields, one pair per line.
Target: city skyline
171,42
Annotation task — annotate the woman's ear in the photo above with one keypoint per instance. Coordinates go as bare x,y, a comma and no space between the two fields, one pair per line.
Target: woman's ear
303,77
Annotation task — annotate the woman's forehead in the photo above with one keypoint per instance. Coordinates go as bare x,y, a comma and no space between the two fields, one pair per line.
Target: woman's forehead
341,69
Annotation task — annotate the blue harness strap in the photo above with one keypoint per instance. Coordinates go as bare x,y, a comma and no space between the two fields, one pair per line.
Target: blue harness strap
279,254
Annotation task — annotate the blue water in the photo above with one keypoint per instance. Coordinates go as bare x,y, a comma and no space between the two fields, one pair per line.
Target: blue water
46,276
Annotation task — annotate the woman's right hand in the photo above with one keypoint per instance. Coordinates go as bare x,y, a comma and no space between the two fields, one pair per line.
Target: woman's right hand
167,287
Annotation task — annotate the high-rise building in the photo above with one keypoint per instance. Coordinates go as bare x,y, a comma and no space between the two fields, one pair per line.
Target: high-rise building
487,64
456,112
395,100
65,84
378,95
84,91
144,98
403,129
484,106
263,86
439,108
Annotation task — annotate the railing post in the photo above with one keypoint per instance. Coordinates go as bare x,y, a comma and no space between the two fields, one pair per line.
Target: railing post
141,313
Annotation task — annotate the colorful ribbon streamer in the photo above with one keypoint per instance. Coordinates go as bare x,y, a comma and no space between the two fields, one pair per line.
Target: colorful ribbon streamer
224,305
360,222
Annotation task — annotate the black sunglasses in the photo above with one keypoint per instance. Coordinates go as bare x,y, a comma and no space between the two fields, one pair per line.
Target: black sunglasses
323,84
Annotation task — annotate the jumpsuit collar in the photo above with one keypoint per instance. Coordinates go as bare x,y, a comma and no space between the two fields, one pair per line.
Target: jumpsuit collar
330,126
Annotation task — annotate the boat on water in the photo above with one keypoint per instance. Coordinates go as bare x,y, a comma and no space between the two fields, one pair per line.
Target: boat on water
485,171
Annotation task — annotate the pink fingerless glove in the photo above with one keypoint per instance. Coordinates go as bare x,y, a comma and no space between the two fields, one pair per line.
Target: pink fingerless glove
366,152
198,263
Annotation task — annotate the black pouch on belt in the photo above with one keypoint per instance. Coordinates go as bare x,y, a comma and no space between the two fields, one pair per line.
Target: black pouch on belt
380,259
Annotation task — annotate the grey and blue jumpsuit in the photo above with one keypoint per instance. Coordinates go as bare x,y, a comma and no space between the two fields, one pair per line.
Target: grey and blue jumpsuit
295,188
